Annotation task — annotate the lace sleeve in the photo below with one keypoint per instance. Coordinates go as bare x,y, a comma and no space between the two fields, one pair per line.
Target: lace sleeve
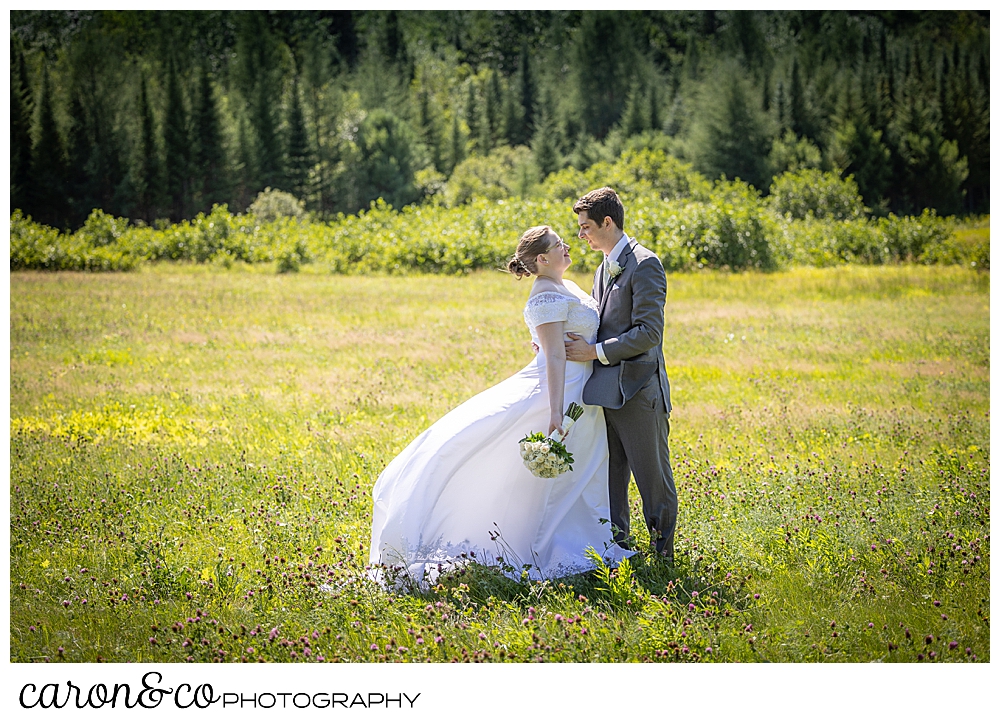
545,307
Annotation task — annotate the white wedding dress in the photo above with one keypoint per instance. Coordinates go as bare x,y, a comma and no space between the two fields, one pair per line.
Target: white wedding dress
461,492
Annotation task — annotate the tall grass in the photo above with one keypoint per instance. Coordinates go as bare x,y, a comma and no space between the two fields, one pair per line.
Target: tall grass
193,449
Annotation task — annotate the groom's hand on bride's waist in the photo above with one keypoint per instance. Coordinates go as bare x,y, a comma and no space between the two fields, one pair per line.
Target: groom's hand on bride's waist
578,350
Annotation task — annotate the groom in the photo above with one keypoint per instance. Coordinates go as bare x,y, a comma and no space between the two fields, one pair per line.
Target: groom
629,379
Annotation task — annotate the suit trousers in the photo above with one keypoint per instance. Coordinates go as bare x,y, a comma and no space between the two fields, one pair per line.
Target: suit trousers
638,443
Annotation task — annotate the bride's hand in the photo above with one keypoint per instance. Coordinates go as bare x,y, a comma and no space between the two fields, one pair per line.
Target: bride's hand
554,425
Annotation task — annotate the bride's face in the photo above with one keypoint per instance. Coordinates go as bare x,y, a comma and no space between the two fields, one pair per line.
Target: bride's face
557,258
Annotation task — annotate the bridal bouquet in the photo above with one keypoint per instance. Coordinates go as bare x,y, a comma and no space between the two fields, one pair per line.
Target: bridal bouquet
547,456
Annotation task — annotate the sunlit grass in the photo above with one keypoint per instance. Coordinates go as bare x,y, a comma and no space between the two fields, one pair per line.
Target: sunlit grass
193,449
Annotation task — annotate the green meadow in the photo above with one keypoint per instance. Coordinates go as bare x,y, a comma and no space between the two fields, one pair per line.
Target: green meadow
193,449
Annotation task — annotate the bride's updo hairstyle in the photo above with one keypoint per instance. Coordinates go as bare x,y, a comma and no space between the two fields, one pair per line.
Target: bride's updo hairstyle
533,242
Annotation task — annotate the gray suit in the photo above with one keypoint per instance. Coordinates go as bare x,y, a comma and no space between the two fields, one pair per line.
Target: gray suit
635,393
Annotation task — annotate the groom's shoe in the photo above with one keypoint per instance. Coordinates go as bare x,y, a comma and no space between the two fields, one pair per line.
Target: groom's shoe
664,550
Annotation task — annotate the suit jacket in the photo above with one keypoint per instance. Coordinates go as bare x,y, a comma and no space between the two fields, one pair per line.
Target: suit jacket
631,330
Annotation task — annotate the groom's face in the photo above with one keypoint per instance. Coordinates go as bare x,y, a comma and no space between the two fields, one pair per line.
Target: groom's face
596,235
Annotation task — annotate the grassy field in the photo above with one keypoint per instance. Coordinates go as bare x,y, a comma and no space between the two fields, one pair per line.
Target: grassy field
193,450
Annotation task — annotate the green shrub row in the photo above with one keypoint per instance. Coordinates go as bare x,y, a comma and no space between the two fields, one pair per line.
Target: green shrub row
809,218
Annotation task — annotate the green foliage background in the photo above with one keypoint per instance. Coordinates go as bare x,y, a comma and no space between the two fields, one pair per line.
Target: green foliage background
810,218
154,115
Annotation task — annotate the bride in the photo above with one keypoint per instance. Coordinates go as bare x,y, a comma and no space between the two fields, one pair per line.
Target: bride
460,491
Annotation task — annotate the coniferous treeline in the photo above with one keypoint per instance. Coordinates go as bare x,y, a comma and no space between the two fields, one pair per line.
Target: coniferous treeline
160,115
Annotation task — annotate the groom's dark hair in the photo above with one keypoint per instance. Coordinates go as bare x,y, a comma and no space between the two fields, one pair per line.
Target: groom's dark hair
600,204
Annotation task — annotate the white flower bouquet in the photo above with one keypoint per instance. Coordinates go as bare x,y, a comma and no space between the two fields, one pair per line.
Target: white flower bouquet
548,457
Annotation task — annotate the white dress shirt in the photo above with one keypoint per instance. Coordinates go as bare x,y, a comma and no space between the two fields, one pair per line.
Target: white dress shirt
615,253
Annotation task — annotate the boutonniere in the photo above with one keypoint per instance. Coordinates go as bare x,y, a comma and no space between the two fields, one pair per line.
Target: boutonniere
614,268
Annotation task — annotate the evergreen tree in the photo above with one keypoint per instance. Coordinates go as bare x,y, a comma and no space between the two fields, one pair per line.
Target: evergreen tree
24,80
209,167
393,45
47,188
265,130
386,163
318,59
584,154
856,148
781,106
429,127
634,119
246,171
604,58
512,119
527,89
798,112
929,167
258,75
545,143
493,107
731,135
944,108
79,186
692,59
472,119
20,131
456,144
655,122
300,158
177,147
966,120
150,168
